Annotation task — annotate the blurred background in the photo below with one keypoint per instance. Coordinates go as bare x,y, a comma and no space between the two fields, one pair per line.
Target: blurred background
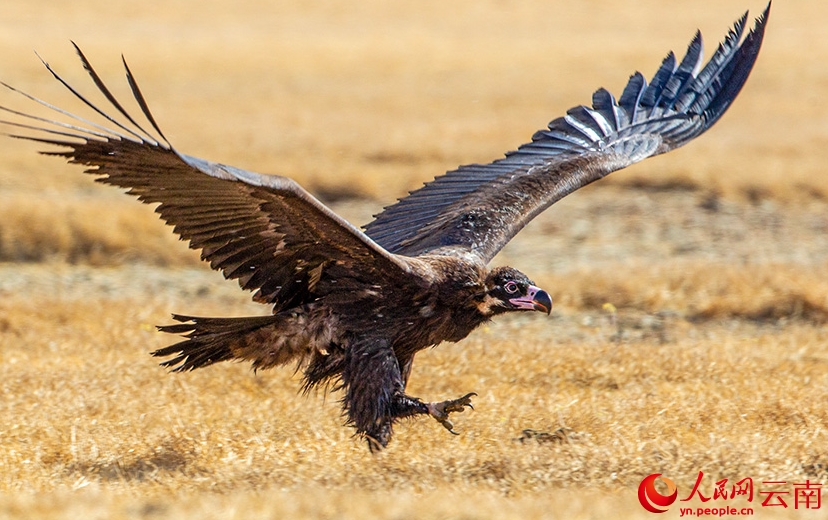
378,97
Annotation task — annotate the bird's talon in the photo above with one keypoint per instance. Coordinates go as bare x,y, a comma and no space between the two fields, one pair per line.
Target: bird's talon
458,405
440,411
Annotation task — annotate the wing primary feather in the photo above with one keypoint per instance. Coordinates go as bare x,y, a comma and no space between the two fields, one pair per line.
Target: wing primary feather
51,122
652,94
594,119
37,128
88,103
139,97
723,55
582,127
604,103
53,142
736,71
109,132
631,96
105,90
685,72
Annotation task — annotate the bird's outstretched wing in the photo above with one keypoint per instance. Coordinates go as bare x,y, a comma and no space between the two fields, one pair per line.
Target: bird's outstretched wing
263,230
479,208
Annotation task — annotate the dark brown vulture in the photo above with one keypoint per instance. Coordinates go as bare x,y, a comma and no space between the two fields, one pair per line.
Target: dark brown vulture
352,308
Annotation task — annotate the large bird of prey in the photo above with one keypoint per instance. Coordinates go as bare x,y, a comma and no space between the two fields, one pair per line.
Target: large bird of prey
352,308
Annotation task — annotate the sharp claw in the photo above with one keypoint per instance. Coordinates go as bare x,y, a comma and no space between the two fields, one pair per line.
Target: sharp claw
448,426
440,411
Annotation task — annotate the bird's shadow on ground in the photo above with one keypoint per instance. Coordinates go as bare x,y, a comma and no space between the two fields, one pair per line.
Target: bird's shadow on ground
169,456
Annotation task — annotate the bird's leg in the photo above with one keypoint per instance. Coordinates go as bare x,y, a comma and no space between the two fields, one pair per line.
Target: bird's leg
372,380
405,406
375,393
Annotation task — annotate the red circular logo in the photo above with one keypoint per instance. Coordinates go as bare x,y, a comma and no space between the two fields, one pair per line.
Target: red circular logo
651,499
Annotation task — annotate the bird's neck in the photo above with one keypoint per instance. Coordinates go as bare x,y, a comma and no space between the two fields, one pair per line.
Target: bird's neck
457,285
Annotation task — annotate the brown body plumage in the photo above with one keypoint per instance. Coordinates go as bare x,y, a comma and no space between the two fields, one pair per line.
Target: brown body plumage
362,338
352,308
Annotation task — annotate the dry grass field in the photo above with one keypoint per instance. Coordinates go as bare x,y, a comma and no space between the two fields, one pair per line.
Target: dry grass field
691,291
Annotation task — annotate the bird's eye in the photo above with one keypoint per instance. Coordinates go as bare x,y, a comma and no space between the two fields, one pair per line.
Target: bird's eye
511,287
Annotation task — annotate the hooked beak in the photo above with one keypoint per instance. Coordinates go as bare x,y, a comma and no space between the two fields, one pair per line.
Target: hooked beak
536,299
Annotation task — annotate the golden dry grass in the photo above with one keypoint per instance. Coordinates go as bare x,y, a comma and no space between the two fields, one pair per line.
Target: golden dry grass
89,418
714,259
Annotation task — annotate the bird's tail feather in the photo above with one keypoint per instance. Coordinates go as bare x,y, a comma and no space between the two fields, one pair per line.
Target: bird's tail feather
211,340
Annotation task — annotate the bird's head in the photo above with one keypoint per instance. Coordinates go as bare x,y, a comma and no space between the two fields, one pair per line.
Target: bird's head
507,289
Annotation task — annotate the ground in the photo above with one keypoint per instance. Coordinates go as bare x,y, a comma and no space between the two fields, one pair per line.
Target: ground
690,291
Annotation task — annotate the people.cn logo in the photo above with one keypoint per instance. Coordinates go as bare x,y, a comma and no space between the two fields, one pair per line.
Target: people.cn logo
651,499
